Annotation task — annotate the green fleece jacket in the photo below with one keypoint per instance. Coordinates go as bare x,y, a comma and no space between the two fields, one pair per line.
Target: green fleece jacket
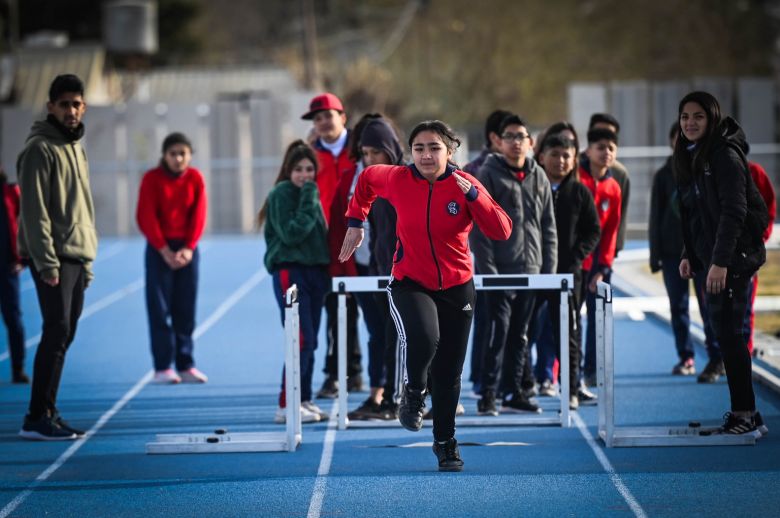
295,230
57,216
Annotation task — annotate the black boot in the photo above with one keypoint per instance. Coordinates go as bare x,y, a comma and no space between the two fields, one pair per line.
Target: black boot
410,411
448,454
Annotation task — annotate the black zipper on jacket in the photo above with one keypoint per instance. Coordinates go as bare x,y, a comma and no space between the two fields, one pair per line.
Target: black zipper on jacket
430,237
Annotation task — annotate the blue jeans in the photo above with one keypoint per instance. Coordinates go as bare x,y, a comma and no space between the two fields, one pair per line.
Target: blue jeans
545,343
313,283
170,304
589,366
677,290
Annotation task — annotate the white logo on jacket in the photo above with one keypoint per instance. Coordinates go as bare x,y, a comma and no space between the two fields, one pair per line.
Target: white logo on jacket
453,208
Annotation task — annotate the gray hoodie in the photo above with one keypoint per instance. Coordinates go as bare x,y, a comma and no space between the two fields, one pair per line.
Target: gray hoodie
533,246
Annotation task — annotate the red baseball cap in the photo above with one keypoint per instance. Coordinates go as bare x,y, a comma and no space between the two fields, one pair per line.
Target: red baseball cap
326,101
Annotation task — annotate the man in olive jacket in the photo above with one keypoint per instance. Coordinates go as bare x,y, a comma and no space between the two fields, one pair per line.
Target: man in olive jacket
57,239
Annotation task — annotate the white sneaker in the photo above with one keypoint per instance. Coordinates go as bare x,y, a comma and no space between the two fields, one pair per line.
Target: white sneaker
460,409
307,416
311,407
193,375
166,377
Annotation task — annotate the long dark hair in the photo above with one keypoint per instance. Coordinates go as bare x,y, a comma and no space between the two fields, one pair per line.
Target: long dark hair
296,152
685,168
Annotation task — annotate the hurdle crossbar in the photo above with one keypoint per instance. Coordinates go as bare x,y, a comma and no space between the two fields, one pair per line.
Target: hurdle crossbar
220,441
558,282
628,436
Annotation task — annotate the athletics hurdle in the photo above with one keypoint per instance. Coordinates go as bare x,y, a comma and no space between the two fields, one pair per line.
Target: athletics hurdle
625,436
558,282
222,442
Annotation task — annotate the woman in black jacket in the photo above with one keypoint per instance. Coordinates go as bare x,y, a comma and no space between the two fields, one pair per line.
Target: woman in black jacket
723,217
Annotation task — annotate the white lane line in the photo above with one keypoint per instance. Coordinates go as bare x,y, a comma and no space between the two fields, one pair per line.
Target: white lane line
90,310
604,461
205,326
315,504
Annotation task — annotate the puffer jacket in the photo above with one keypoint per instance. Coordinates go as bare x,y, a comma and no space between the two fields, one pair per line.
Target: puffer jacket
723,213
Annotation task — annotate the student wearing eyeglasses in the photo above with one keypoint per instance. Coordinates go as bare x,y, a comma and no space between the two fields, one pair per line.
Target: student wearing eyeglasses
520,186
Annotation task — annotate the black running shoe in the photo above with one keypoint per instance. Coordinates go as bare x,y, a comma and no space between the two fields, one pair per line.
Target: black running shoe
20,377
519,404
329,390
759,422
411,409
487,404
44,429
368,411
59,421
734,425
448,454
712,372
586,397
355,383
388,411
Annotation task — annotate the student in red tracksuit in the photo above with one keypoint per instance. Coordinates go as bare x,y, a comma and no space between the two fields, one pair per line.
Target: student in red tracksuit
764,185
597,177
10,267
335,163
431,291
171,214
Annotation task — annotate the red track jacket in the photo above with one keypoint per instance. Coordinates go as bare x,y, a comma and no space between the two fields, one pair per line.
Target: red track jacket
606,195
434,221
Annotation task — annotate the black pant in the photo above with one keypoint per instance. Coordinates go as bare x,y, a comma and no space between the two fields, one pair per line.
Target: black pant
353,343
12,315
726,311
481,337
61,307
510,314
433,327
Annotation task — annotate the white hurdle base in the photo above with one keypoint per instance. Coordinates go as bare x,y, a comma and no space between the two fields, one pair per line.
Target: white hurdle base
244,442
502,420
673,436
647,436
553,282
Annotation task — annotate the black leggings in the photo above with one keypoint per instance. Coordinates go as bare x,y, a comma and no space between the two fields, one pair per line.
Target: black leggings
433,328
726,311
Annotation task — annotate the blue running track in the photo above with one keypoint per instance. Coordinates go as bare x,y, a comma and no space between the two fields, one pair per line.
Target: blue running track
532,471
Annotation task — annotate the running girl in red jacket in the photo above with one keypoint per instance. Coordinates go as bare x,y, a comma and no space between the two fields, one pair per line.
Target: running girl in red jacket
171,214
431,291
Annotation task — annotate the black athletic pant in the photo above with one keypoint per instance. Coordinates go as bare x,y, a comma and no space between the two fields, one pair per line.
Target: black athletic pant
433,327
726,311
61,307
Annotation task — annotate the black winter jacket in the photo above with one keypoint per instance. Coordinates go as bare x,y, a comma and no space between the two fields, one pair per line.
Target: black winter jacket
722,211
577,222
665,230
